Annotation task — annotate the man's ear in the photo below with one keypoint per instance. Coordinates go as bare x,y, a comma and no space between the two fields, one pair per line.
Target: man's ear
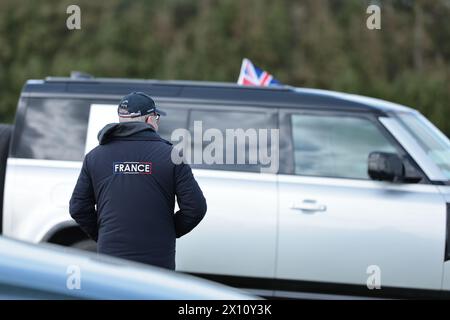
150,122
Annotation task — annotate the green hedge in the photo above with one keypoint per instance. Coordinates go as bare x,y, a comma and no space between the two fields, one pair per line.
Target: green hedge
311,43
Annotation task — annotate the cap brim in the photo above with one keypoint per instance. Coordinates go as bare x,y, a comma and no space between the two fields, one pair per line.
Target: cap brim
160,112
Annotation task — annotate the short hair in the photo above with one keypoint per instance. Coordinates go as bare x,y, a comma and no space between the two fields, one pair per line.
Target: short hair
134,119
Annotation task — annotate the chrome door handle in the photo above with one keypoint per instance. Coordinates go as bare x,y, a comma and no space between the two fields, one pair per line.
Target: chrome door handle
308,206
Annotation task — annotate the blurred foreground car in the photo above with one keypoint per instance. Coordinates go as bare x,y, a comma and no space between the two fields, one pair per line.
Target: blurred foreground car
29,271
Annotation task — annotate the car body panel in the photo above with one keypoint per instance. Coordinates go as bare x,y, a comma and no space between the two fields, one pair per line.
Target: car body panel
237,235
398,228
34,205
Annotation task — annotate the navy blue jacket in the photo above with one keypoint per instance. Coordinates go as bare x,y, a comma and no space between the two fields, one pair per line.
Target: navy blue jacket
125,195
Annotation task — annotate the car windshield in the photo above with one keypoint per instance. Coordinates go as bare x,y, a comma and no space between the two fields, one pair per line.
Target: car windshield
433,141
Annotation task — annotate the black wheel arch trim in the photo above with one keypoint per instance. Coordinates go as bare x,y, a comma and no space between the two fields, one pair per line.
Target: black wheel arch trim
280,286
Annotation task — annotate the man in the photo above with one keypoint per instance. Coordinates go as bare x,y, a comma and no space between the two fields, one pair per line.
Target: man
125,195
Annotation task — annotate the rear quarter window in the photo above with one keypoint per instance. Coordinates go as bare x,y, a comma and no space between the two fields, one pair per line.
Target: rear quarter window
233,119
53,129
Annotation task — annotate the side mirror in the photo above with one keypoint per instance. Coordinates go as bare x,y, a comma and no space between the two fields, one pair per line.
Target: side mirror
386,166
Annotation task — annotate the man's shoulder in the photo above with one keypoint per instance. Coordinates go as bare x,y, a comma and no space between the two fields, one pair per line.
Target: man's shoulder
93,151
166,142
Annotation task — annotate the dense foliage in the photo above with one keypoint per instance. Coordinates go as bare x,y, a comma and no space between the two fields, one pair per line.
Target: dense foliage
311,43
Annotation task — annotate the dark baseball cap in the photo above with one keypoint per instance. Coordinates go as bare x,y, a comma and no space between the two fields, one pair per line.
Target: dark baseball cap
137,104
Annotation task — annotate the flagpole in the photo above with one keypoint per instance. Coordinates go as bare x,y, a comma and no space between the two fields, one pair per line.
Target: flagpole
241,74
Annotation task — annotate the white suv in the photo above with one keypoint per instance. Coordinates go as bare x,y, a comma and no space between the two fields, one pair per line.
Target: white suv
360,199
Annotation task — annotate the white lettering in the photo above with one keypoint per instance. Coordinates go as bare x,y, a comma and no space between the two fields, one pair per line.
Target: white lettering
73,277
74,20
374,20
251,145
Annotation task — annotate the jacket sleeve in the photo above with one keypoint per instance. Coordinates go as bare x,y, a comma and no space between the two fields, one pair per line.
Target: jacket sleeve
82,204
190,200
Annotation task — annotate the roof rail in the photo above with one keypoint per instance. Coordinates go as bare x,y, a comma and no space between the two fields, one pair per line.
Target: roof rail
88,77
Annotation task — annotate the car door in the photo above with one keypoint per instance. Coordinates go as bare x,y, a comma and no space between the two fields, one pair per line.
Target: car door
338,226
237,237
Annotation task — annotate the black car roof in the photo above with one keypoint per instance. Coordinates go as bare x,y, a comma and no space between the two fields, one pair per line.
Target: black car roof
286,96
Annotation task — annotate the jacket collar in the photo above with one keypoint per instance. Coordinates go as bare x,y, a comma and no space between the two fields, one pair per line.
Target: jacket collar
127,131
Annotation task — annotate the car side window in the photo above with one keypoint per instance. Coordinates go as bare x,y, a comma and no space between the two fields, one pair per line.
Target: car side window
229,121
175,118
54,129
335,146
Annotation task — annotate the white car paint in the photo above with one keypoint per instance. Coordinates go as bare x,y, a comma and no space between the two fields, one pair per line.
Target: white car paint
252,230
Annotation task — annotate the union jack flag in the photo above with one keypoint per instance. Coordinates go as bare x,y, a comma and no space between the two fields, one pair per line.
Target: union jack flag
251,75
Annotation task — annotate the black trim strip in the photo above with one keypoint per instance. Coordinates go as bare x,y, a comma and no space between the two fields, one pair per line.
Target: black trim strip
447,235
296,106
278,286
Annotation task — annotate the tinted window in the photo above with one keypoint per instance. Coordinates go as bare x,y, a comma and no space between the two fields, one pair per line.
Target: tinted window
223,120
175,119
334,146
54,129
